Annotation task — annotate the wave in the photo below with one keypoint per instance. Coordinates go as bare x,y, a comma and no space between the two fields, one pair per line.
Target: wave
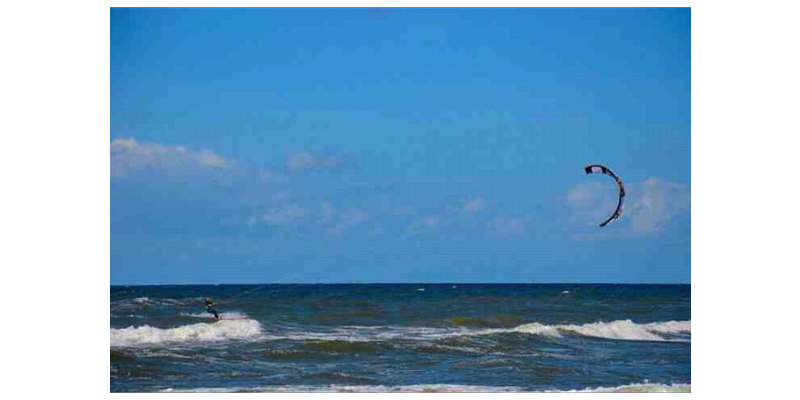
618,330
441,388
136,302
628,330
201,332
671,327
366,334
641,388
670,331
146,301
240,326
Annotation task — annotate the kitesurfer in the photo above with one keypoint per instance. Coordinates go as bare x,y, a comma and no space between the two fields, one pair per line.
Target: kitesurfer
209,302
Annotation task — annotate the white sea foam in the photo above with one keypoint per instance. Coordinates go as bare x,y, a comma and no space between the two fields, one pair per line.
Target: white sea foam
432,388
671,327
618,330
446,388
368,333
641,388
533,328
130,303
628,330
536,328
202,332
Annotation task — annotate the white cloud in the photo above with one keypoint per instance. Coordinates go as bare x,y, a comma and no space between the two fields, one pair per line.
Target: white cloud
127,154
211,159
306,162
584,194
454,216
592,202
649,206
657,203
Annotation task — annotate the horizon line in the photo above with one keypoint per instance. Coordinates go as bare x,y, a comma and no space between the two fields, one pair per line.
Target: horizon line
407,283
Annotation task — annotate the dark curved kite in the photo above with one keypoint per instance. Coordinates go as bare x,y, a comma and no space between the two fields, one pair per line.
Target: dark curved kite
600,169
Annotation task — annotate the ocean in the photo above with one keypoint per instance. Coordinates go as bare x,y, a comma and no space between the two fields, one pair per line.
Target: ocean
402,338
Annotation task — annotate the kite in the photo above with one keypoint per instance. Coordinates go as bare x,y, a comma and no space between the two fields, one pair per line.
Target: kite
600,169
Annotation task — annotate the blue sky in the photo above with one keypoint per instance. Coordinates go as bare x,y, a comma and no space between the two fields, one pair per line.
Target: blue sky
402,145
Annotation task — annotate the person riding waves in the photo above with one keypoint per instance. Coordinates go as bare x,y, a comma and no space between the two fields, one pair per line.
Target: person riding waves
209,302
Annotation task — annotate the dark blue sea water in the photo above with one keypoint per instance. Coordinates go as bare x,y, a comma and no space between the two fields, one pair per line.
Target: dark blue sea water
402,337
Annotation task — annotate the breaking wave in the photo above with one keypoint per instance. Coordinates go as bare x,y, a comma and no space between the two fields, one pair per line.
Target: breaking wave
201,332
